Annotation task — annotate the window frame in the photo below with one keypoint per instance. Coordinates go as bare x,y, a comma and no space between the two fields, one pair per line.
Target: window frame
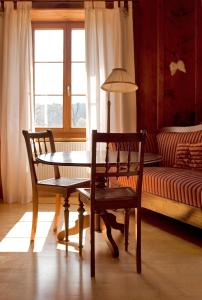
66,132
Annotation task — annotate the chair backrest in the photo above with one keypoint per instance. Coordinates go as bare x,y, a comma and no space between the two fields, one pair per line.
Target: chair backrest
38,143
118,162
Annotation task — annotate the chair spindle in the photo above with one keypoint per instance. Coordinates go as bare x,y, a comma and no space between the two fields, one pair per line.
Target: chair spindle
39,144
45,146
34,146
118,158
129,155
107,158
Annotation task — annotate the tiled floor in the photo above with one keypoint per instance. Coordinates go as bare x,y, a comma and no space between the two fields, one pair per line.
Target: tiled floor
171,262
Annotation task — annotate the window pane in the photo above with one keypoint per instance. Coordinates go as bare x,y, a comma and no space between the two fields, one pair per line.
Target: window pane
49,111
49,45
78,112
78,78
78,45
49,78
52,58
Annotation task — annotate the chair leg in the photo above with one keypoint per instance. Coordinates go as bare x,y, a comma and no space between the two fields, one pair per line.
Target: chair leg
138,238
66,218
81,211
92,242
126,227
34,215
57,212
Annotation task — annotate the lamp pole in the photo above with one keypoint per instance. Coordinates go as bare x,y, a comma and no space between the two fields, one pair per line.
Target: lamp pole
108,113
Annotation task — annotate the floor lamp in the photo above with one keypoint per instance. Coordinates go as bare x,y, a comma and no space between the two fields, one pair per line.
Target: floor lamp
118,81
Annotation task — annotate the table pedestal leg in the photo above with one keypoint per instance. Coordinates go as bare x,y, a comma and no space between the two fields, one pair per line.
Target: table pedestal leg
109,221
75,229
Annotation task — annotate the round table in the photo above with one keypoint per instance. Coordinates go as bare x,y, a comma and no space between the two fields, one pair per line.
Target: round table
83,158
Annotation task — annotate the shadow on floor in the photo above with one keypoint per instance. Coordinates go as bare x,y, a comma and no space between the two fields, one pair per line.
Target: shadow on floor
187,232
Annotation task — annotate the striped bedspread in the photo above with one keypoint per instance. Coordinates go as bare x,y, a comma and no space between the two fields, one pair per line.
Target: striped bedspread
183,185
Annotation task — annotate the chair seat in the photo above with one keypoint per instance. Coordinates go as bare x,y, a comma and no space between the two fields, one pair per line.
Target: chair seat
65,182
111,197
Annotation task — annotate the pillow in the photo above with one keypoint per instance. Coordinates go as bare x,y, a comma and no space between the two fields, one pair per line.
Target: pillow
168,141
188,156
182,156
195,155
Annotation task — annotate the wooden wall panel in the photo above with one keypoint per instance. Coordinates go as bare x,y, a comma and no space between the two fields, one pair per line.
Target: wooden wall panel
198,62
168,31
145,36
179,46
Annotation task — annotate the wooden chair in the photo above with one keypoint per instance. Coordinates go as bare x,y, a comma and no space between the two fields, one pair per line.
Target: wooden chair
125,163
38,143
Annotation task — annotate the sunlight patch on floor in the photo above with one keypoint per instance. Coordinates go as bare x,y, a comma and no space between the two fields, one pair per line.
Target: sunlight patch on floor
18,237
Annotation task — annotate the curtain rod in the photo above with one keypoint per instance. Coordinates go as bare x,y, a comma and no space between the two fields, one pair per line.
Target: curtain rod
57,4
70,1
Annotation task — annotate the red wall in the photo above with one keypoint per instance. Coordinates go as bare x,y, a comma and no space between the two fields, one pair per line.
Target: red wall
168,31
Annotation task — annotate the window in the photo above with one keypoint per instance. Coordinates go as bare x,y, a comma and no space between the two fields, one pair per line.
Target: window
60,78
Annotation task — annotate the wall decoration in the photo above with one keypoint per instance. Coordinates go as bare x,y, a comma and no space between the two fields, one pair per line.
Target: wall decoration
179,65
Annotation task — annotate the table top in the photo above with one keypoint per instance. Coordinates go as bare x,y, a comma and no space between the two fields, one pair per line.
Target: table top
83,158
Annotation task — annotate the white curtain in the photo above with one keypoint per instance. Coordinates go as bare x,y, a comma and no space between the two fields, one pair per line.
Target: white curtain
109,44
1,53
16,106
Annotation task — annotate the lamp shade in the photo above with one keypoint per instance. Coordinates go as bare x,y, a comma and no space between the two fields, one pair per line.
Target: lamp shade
119,81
